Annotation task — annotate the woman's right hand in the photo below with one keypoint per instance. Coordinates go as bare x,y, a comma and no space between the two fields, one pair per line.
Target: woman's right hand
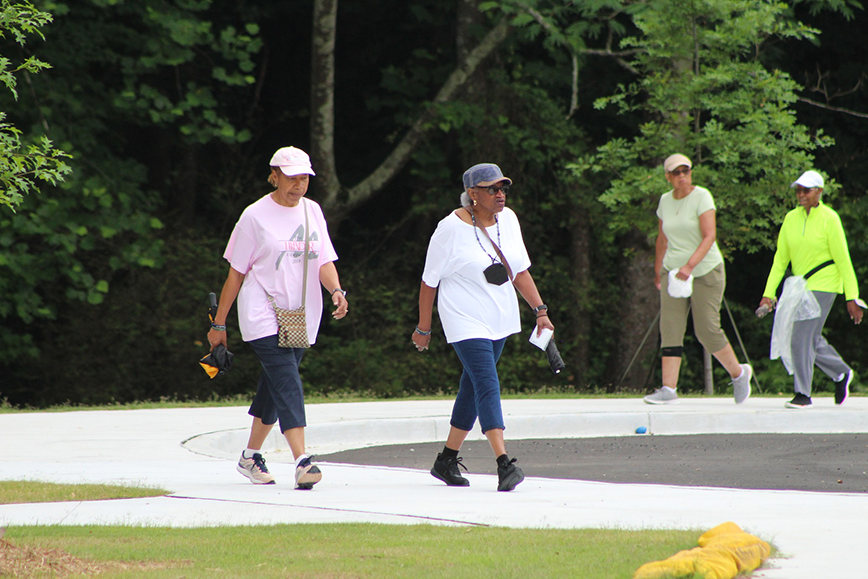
421,342
768,303
657,280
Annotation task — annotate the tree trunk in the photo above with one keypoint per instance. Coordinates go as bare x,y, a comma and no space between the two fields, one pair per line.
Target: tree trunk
185,185
468,17
322,99
580,273
638,305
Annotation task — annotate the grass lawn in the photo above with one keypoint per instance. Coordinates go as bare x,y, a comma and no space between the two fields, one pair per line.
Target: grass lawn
314,550
334,550
25,491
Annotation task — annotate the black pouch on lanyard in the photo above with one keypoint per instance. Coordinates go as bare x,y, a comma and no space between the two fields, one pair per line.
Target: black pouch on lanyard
495,274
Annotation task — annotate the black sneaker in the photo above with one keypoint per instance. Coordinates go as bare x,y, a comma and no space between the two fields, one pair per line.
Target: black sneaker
508,476
446,469
799,402
842,388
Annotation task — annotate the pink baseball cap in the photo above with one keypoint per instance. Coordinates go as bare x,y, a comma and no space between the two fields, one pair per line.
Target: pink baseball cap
292,161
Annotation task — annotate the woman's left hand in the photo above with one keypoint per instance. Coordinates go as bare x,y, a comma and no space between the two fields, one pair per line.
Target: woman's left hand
543,321
684,272
342,305
855,311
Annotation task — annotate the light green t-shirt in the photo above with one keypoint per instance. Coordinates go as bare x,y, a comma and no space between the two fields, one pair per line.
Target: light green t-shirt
681,226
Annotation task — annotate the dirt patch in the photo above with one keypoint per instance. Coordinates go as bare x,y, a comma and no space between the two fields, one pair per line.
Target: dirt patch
27,561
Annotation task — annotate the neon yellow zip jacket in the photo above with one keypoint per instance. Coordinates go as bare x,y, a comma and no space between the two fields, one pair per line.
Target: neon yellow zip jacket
807,240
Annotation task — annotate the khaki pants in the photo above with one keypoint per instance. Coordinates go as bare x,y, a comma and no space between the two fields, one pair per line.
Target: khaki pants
705,304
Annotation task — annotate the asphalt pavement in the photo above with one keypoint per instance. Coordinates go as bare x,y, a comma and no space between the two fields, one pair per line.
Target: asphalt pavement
805,462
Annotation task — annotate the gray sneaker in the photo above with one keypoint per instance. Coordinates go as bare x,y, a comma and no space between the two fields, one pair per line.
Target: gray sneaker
741,385
662,396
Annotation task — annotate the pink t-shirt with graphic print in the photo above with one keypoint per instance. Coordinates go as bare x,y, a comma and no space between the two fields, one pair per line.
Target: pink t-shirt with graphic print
267,246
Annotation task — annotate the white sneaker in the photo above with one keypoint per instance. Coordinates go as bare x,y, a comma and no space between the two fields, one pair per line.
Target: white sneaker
741,385
662,396
254,469
307,474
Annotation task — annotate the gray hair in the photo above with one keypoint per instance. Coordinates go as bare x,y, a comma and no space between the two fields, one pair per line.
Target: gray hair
465,199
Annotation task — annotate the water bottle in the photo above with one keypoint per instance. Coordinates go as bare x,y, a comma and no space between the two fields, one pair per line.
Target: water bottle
763,310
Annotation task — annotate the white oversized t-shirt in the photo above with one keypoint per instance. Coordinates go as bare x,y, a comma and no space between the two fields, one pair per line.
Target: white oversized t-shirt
267,246
681,226
469,306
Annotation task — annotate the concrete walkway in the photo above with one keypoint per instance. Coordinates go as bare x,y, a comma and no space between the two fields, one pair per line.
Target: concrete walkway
192,453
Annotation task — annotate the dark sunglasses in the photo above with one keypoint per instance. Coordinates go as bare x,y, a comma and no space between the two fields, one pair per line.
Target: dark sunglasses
679,172
493,189
803,190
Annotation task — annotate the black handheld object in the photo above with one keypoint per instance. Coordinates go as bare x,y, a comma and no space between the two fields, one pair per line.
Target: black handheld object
556,363
219,360
212,306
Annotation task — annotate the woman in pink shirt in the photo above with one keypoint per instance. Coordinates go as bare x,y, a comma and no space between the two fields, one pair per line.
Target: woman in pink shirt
266,253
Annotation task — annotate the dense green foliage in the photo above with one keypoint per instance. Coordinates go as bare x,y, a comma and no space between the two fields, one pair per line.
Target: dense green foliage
707,93
23,165
172,108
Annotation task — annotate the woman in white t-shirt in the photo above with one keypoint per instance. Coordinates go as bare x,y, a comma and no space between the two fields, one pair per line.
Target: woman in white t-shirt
687,250
266,253
478,309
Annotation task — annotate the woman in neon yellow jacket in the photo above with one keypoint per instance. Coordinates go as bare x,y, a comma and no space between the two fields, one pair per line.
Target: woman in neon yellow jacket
813,244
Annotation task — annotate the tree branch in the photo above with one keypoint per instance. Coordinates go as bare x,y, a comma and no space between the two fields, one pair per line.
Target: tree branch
574,102
322,101
614,54
831,108
405,148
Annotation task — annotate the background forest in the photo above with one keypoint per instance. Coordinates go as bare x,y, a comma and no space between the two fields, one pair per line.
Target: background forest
169,111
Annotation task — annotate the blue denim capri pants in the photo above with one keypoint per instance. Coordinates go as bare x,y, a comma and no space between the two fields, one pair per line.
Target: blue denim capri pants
479,389
279,395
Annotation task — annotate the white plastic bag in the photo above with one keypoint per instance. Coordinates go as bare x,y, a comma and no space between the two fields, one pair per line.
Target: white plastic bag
679,288
797,303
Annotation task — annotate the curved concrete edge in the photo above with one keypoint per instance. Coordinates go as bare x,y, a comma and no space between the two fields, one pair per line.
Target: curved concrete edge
545,421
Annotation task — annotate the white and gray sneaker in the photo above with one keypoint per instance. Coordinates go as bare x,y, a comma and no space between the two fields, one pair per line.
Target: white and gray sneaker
662,396
254,469
741,385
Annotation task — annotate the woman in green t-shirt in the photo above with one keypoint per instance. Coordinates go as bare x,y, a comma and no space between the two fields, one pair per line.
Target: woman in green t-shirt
687,253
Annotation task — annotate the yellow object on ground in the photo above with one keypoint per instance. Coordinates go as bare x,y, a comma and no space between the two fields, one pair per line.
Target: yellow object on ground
723,552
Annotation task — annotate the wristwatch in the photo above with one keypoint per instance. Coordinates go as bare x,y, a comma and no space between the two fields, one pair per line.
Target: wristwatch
339,290
540,308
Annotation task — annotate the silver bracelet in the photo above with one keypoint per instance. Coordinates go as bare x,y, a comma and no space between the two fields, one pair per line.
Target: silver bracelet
218,327
421,333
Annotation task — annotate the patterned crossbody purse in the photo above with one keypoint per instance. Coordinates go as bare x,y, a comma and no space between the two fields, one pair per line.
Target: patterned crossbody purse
292,324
